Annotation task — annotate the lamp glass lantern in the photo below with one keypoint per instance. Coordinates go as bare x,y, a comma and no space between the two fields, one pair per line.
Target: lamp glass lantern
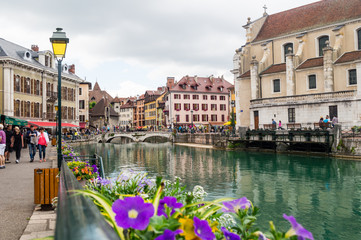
59,42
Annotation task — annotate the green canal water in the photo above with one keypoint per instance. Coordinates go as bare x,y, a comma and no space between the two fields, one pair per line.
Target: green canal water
323,194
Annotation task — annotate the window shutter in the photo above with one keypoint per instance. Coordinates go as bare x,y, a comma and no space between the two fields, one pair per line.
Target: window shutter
41,88
14,82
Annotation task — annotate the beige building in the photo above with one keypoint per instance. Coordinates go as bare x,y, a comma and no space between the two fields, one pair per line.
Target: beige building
299,65
84,88
28,84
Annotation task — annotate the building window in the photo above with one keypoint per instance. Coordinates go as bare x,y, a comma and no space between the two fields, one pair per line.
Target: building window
291,115
17,108
214,118
213,107
177,118
27,109
195,97
213,97
312,81
80,91
196,107
205,97
286,49
352,78
176,96
223,98
204,118
276,85
322,44
37,87
177,106
196,118
27,86
37,110
223,118
359,39
204,107
187,106
187,118
17,84
186,96
81,104
222,107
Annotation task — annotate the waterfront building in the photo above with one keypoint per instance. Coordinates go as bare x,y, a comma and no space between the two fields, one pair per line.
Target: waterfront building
139,120
103,115
160,105
98,94
301,64
117,102
84,88
198,100
150,107
28,85
126,113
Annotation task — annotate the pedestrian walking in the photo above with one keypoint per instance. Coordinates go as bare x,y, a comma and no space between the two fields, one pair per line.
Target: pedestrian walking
31,140
17,143
2,146
43,140
9,134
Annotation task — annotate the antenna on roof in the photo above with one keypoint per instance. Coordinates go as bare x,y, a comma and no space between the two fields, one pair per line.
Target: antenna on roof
265,10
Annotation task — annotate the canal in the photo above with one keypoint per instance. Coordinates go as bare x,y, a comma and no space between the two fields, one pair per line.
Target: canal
323,194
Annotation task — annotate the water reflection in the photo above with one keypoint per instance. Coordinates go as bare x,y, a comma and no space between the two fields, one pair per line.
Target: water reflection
323,194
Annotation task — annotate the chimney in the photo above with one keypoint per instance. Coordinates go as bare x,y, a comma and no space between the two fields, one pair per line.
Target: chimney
72,69
35,48
170,82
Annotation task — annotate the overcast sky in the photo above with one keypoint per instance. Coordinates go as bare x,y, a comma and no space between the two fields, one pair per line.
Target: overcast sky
130,46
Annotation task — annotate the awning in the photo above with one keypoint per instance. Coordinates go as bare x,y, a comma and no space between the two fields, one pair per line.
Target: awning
229,123
13,121
51,124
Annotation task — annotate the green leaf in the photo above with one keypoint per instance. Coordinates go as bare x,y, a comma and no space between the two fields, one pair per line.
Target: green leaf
106,204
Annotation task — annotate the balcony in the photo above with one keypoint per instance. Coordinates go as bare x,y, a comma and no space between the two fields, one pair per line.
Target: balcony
51,97
305,99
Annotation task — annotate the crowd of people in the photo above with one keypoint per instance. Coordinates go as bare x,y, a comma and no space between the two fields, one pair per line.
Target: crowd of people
13,140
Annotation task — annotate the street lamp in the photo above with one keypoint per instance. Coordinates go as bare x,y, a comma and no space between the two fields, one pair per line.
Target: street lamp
59,42
192,121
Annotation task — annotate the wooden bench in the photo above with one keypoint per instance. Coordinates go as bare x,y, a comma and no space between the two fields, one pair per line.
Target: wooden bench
293,125
269,126
322,125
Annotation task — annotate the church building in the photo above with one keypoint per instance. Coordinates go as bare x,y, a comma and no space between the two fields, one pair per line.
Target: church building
299,65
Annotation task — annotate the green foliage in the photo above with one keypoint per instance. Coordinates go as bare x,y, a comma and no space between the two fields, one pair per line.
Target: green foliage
92,104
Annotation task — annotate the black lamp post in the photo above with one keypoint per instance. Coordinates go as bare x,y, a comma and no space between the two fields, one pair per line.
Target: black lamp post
59,42
192,120
233,123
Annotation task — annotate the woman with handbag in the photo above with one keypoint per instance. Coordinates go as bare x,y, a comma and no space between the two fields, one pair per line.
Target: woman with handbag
17,143
43,140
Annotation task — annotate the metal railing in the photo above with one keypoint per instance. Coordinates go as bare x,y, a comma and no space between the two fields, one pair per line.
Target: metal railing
78,217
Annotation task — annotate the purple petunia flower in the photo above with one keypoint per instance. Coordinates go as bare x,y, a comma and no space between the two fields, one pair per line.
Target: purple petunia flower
297,229
235,205
229,235
169,235
132,212
202,229
104,181
171,203
261,237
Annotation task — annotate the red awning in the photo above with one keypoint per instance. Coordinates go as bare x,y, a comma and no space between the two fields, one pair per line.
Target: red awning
51,124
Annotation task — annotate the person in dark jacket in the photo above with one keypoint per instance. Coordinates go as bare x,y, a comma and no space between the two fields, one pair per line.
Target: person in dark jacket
17,143
31,138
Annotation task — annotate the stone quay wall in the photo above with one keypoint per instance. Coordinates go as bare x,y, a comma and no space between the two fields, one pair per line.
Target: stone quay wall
216,140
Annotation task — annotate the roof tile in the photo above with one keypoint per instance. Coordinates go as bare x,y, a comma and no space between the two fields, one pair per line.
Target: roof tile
349,57
311,62
309,16
275,68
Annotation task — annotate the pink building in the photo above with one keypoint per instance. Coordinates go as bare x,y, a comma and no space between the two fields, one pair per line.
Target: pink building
205,100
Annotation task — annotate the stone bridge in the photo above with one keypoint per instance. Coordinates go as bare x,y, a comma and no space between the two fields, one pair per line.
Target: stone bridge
135,136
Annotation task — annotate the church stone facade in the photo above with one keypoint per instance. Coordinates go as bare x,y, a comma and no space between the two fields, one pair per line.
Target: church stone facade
299,65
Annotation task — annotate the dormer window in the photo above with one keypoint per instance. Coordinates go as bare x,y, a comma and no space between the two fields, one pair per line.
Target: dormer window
27,55
183,86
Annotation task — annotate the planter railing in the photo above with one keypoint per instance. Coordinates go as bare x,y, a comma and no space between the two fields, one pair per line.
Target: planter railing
93,159
78,217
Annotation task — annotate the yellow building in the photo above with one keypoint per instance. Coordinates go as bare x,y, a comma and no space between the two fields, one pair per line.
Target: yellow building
301,64
150,108
28,84
160,104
